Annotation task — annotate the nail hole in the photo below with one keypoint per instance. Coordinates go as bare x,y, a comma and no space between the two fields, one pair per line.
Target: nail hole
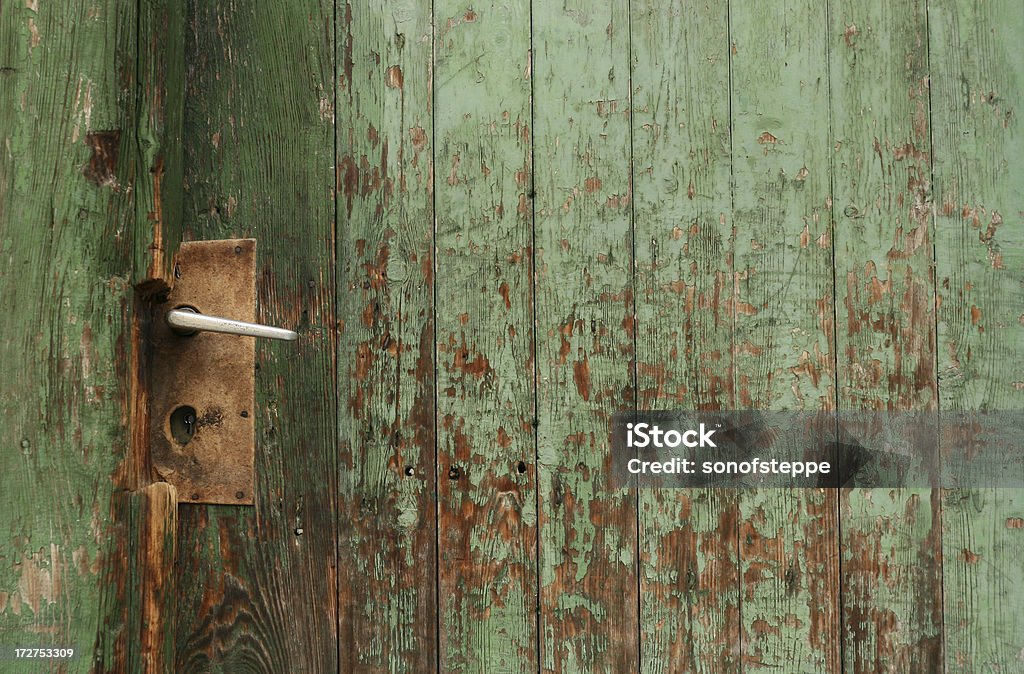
244,414
183,424
454,472
410,471
239,494
521,467
238,250
195,496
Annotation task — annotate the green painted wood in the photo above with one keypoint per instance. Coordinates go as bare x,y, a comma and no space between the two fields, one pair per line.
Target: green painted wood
387,522
682,156
783,340
977,93
585,338
157,141
487,514
891,566
258,584
66,231
694,160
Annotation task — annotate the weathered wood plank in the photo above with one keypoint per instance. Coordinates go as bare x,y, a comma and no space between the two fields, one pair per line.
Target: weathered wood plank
66,231
891,553
158,529
584,334
258,586
387,526
977,83
157,139
689,612
138,603
784,318
487,519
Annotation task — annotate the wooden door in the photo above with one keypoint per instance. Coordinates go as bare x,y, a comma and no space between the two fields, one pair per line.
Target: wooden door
493,225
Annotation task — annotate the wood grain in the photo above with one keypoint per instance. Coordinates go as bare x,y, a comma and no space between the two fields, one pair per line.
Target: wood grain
159,114
66,232
487,513
258,586
158,527
891,566
641,204
784,333
977,93
682,156
585,319
387,522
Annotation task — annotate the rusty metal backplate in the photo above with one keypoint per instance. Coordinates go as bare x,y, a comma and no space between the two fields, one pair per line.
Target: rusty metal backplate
202,392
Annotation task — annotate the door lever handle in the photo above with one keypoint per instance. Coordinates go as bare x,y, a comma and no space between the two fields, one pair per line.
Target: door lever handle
188,321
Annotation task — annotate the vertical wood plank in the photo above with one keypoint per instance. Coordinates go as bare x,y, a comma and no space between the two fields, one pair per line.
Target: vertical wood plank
141,606
157,140
689,612
487,519
891,553
784,318
388,528
584,334
977,80
258,585
66,233
158,525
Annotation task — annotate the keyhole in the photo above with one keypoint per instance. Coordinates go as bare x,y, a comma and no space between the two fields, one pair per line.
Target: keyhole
183,424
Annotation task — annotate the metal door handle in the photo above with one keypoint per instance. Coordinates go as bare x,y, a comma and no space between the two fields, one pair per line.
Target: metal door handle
188,321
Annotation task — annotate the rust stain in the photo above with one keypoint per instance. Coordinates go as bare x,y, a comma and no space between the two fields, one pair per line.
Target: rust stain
453,176
908,150
524,206
418,137
478,365
969,557
377,269
1015,522
393,77
364,361
592,184
581,376
850,34
767,138
504,292
102,167
359,178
